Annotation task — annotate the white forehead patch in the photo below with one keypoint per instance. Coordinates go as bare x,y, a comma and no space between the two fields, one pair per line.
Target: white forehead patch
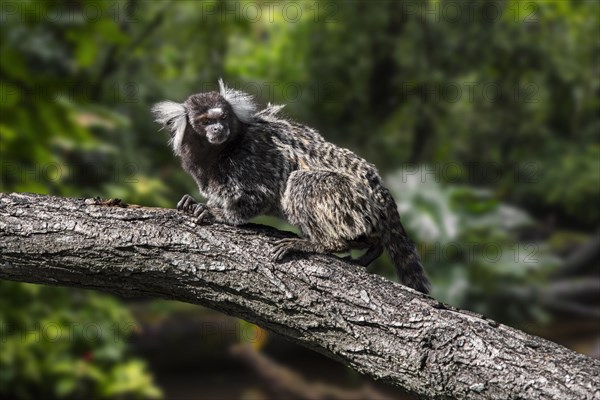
215,112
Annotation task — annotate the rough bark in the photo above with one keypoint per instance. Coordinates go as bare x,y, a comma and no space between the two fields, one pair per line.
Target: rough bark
369,323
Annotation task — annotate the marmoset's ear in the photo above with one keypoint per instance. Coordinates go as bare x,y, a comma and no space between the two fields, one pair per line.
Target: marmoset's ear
173,117
242,103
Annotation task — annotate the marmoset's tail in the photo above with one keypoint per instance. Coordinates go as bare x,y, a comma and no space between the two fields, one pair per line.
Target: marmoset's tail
402,250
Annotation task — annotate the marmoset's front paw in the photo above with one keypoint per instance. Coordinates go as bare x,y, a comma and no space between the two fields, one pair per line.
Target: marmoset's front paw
201,211
187,204
203,215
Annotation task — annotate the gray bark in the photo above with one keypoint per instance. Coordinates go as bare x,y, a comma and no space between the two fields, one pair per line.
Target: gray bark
376,326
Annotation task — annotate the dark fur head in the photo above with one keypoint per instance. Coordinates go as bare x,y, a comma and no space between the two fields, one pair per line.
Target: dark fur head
215,117
212,117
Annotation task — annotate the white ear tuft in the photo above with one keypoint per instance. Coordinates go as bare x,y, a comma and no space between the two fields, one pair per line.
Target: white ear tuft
242,103
173,117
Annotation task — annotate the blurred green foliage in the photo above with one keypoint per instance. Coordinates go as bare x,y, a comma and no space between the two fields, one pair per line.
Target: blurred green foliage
472,244
492,105
59,343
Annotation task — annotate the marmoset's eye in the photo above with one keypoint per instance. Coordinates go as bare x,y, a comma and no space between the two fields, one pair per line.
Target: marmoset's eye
224,116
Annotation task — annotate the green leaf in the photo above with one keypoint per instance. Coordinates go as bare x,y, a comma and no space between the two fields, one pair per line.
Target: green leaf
65,386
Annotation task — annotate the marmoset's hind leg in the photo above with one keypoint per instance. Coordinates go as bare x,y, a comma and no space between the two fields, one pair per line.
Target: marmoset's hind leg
370,255
287,246
332,210
374,250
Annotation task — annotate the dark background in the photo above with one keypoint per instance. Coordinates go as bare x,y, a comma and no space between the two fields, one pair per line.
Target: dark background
481,116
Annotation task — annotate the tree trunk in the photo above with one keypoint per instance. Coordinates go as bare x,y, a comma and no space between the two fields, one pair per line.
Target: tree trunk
376,326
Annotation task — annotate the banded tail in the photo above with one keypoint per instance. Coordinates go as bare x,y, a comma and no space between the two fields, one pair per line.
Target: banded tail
402,250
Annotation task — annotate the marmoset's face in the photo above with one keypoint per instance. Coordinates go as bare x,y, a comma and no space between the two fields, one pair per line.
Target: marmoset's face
211,116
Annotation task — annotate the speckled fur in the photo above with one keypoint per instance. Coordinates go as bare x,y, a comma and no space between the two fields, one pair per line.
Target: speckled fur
270,165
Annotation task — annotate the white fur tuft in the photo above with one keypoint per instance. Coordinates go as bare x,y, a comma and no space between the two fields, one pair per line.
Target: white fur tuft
272,110
242,103
172,116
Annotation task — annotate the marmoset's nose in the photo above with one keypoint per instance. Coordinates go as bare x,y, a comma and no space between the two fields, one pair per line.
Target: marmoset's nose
215,128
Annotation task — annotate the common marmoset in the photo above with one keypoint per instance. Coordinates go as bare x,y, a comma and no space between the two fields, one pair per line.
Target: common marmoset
249,163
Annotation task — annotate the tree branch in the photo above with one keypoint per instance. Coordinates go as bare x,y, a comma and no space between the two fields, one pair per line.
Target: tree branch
287,384
371,324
